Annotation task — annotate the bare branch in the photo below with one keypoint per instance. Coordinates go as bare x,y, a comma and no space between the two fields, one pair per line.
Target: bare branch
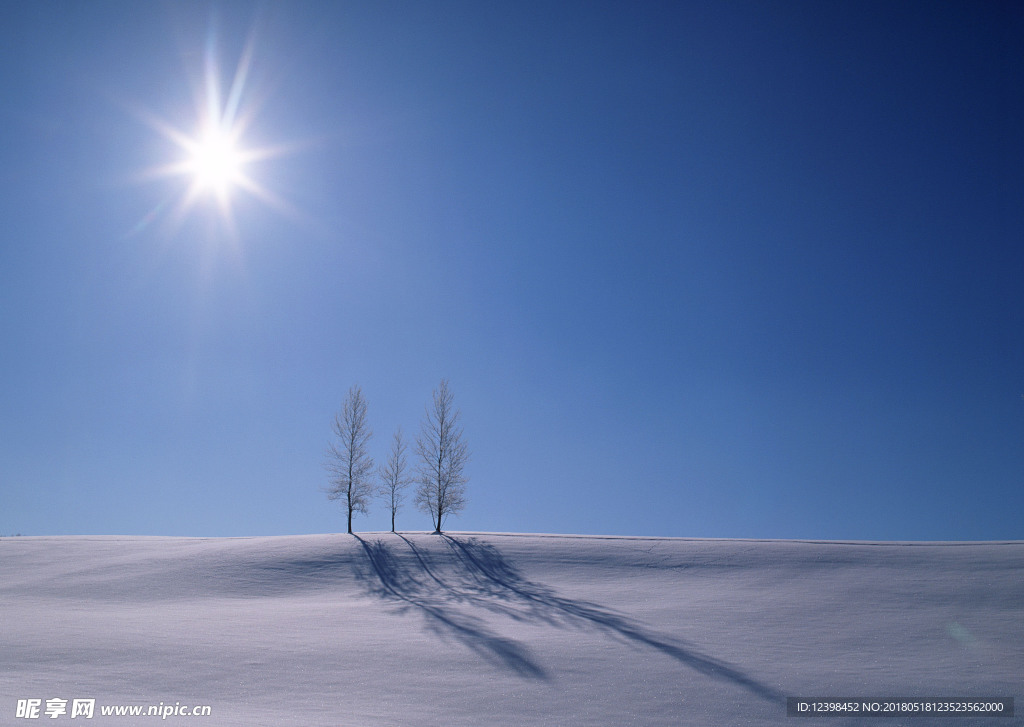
348,461
393,477
443,457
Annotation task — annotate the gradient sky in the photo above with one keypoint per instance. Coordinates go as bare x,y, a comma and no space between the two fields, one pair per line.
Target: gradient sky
719,269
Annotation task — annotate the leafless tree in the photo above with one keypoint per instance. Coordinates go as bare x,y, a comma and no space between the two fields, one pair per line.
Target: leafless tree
349,463
394,479
443,456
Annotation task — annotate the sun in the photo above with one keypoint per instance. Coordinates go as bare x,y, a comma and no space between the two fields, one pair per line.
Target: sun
214,161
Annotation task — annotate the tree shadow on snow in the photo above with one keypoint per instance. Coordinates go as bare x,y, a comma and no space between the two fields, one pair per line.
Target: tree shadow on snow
402,584
482,578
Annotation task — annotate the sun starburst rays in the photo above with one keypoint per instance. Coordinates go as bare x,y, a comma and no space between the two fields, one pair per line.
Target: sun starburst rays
214,161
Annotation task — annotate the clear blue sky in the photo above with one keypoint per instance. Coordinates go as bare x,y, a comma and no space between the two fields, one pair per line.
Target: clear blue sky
719,269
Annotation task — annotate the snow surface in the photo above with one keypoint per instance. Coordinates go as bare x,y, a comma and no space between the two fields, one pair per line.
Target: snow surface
504,629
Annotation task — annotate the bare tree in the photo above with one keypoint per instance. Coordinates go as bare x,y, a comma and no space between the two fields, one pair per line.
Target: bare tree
443,456
393,478
348,462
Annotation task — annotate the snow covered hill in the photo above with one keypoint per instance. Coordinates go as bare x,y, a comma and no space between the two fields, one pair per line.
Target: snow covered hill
495,629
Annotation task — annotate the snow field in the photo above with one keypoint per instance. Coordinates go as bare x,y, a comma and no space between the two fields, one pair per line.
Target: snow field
505,629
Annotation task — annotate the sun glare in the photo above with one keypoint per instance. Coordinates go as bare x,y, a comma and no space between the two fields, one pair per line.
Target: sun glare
214,160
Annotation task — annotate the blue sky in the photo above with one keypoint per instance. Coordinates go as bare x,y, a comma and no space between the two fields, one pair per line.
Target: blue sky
692,269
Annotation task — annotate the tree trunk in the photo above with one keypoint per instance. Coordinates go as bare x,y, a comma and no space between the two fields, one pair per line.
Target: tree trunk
350,493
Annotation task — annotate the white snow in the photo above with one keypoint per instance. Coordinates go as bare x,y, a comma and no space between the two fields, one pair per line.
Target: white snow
504,629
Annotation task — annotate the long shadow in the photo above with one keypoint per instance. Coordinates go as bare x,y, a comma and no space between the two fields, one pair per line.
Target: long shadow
486,562
485,579
403,585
